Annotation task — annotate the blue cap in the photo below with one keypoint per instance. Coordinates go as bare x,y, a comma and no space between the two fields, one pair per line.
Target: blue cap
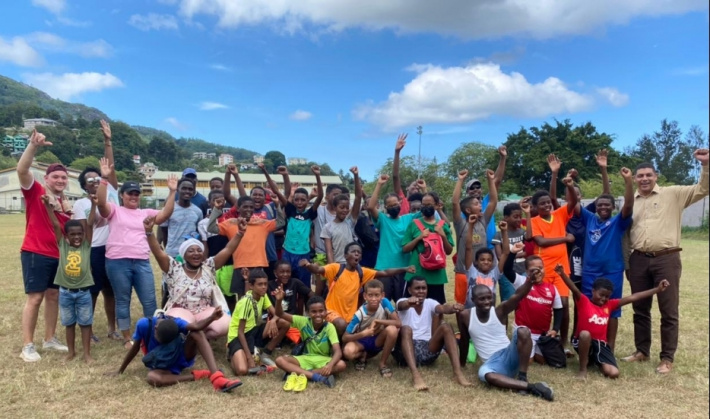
189,171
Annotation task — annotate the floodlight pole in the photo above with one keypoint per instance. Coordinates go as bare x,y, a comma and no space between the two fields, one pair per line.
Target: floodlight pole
419,166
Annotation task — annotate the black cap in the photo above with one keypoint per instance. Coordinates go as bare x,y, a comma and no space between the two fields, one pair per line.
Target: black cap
130,186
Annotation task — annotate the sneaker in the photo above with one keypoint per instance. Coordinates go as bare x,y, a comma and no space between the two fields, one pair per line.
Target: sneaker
542,390
329,381
261,369
55,345
29,353
291,382
201,374
266,360
222,384
301,384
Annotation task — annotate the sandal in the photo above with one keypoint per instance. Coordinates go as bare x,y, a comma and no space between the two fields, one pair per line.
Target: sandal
94,338
360,365
385,372
114,335
569,353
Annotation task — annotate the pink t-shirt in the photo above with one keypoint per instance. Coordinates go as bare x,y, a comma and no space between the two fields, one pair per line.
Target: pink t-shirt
127,239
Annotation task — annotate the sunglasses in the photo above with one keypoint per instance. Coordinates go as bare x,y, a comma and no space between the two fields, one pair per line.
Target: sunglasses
474,187
96,179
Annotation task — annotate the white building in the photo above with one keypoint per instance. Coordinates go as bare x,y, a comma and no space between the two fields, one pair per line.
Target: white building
225,159
136,159
35,122
211,156
148,170
199,155
293,161
258,159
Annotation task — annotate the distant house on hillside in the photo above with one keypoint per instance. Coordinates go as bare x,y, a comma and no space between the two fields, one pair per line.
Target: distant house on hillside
148,170
34,122
294,161
16,144
258,158
199,155
225,159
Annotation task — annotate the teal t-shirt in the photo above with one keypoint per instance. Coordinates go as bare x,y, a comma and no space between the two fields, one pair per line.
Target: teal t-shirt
321,344
298,229
391,233
437,277
74,266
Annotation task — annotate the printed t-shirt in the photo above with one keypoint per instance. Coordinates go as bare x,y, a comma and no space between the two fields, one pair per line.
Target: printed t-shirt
602,250
292,290
577,227
343,294
479,240
39,231
127,239
420,323
535,310
514,237
437,277
182,222
323,342
74,266
245,311
298,229
81,210
392,231
251,251
554,228
476,277
593,318
363,319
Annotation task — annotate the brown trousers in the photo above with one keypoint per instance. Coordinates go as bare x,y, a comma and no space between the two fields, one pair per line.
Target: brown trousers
645,273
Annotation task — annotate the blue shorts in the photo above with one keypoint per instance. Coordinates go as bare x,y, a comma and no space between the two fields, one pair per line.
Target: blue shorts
75,307
368,344
616,278
505,361
38,271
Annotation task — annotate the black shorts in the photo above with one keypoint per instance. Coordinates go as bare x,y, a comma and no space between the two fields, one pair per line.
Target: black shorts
38,272
98,272
435,292
599,353
255,338
394,286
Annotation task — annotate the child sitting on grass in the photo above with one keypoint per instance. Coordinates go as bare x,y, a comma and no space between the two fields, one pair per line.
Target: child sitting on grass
373,329
295,293
322,356
74,277
593,320
248,331
168,352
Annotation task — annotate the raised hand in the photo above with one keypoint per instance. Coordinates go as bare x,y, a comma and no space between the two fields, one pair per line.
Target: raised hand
354,171
278,293
401,142
463,174
106,130
503,226
105,168
38,139
602,158
626,173
568,181
702,155
525,204
172,182
421,183
219,202
149,223
572,173
315,170
382,179
232,168
245,273
554,163
282,170
472,219
503,151
261,167
663,285
517,248
490,175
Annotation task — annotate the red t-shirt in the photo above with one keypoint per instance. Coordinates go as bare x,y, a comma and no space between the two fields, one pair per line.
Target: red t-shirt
529,244
535,310
39,232
593,318
404,204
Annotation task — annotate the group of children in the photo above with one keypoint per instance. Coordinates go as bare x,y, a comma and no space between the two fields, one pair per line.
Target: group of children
393,305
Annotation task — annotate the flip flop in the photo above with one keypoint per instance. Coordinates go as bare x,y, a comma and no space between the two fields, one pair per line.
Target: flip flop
360,365
385,372
114,335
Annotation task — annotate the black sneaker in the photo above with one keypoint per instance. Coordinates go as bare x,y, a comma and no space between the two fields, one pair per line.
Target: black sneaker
329,381
542,390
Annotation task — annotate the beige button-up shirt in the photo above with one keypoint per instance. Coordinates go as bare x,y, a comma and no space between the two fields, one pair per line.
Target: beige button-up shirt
656,219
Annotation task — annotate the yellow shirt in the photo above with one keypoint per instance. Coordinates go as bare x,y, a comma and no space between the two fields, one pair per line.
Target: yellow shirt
656,224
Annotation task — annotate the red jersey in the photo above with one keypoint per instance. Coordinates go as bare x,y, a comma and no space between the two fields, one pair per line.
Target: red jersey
593,318
535,310
39,232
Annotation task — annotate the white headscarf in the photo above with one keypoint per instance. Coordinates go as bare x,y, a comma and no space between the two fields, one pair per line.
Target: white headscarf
187,244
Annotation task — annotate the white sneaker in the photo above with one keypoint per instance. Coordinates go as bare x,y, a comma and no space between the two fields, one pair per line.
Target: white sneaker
266,360
55,345
29,354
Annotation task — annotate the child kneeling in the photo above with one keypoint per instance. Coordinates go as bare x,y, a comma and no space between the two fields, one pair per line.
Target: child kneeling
373,329
322,355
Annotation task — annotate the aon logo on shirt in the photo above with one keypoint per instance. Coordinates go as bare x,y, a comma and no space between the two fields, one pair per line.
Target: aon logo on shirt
601,321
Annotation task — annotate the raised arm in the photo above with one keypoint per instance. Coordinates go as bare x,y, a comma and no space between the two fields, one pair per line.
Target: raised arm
554,163
492,196
576,293
227,185
602,159
278,294
223,256
89,227
274,187
525,206
644,294
319,187
160,256
456,195
386,273
500,170
355,210
505,250
108,152
396,181
35,142
468,258
102,192
283,171
167,210
509,305
58,234
372,203
313,268
628,207
571,195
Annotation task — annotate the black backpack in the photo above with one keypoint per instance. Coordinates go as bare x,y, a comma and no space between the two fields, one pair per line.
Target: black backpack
552,351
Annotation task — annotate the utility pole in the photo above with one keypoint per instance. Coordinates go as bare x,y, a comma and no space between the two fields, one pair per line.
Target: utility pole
419,166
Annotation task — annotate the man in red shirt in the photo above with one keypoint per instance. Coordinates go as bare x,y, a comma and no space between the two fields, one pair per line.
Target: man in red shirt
593,321
40,253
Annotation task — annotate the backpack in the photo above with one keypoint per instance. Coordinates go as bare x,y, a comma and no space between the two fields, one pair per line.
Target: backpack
552,351
433,257
365,233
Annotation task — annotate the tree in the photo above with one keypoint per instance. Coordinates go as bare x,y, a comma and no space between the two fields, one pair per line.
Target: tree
276,159
473,156
83,162
47,157
696,138
668,152
7,162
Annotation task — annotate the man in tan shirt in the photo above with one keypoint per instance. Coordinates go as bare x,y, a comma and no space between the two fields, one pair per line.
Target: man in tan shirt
655,244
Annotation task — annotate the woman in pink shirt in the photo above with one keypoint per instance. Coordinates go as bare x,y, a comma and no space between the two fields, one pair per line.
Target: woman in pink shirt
127,250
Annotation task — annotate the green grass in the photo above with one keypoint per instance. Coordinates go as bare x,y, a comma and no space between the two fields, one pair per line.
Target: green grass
51,388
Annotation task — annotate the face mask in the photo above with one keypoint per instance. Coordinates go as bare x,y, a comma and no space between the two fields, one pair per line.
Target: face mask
427,211
393,211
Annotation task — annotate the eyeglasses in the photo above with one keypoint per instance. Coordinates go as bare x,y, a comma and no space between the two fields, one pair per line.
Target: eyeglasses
96,179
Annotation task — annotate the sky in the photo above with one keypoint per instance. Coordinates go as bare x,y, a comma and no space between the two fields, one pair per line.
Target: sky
337,81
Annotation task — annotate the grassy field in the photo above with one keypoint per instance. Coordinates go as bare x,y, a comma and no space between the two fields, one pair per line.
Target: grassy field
51,388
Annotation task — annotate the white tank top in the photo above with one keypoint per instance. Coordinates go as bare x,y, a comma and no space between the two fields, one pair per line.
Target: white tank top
489,337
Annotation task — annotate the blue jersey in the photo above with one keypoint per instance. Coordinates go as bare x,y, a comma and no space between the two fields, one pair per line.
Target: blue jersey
602,246
362,319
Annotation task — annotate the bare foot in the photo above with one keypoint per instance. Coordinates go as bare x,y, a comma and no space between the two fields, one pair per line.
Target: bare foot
128,344
582,375
462,380
88,359
419,383
69,357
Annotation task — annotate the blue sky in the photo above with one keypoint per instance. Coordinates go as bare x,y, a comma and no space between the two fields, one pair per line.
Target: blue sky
336,81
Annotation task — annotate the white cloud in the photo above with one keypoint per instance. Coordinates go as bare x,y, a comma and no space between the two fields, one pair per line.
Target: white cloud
53,43
301,115
210,106
67,85
220,67
613,96
17,51
176,124
153,21
465,94
463,18
72,22
700,70
54,6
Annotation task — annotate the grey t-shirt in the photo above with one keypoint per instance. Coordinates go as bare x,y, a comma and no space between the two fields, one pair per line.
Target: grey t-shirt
341,234
514,236
324,217
182,222
479,240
